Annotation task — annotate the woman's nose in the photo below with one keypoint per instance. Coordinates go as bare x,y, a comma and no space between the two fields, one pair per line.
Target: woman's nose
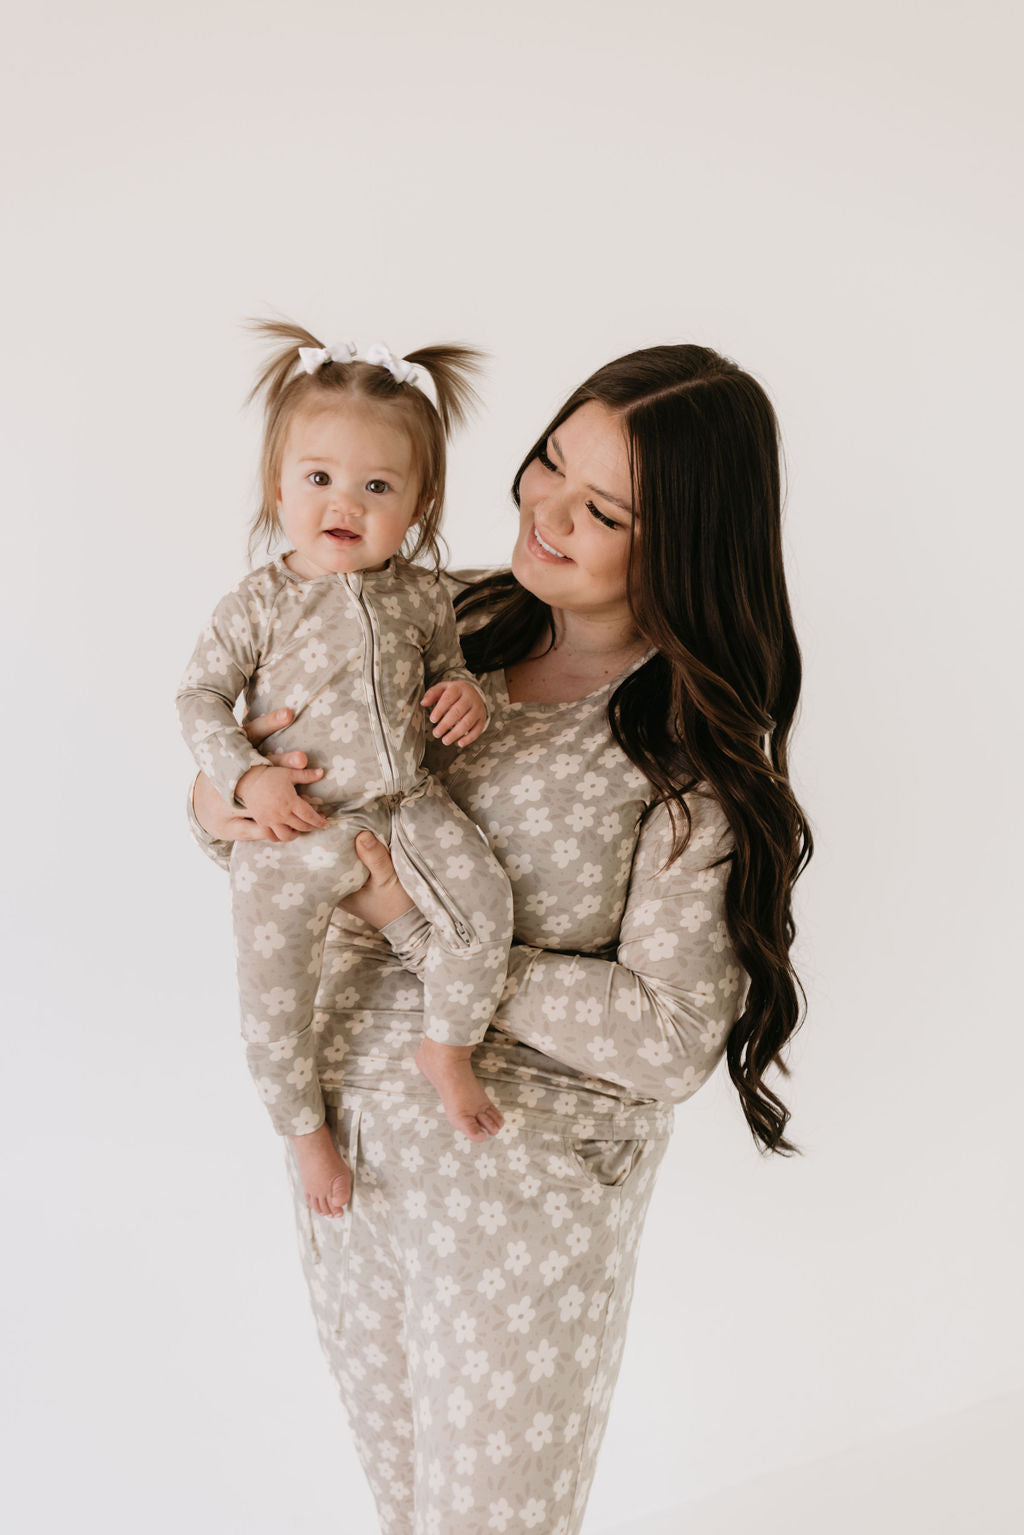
556,513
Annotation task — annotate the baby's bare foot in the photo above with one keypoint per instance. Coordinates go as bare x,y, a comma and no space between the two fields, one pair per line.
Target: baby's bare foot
449,1069
326,1178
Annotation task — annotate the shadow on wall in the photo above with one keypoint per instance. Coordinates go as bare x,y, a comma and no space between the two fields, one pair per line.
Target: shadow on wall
953,1476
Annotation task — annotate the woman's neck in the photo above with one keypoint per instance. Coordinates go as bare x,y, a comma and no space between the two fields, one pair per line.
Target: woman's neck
587,653
595,640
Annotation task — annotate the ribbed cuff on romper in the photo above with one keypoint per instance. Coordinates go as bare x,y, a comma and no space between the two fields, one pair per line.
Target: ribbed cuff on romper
289,1085
409,937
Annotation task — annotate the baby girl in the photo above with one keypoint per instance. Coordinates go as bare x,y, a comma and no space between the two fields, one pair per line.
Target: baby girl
358,641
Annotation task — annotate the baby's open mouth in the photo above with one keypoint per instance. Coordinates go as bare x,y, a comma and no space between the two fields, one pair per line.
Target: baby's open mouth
342,535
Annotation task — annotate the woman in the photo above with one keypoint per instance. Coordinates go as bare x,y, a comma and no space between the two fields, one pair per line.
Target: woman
643,675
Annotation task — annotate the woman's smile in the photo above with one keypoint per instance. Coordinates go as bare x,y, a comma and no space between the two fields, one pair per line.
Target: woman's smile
571,553
541,549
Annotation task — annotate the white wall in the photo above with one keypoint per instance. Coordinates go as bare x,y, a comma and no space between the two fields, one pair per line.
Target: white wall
823,193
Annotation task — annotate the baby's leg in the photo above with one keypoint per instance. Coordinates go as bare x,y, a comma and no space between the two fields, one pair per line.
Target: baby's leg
282,899
448,869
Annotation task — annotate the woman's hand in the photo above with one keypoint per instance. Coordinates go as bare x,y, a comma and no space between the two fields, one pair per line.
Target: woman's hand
226,822
382,898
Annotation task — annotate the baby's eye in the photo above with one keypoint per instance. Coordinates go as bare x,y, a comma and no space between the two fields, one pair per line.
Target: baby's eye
377,487
319,477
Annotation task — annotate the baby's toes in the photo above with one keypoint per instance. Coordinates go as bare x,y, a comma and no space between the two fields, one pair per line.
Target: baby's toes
469,1126
491,1120
338,1194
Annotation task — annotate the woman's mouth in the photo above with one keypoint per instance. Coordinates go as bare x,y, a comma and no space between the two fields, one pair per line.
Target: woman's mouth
541,550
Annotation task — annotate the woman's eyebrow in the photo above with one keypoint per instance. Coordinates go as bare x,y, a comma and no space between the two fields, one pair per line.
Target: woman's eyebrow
605,495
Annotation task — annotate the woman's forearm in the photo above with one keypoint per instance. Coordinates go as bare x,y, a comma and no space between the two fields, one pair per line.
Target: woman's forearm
655,1017
601,1018
598,1017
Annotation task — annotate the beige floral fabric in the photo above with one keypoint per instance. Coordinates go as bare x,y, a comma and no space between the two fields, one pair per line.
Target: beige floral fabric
472,1304
352,655
472,1307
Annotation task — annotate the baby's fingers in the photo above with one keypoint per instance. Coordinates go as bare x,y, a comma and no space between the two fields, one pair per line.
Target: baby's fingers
306,816
462,725
471,733
450,718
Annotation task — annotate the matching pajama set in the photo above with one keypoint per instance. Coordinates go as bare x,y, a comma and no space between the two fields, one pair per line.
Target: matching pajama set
472,1302
351,654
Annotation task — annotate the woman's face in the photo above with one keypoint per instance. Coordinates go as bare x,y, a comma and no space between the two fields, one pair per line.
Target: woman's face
575,516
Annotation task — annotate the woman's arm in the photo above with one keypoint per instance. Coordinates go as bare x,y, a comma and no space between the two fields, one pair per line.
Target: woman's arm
656,1017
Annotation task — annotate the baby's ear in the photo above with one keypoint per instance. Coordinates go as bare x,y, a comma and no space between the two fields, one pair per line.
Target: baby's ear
422,508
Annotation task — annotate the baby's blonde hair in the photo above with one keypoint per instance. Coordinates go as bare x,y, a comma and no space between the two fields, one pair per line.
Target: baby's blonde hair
286,392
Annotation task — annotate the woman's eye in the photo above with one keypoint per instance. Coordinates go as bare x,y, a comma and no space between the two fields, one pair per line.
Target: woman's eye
547,462
377,487
319,477
609,522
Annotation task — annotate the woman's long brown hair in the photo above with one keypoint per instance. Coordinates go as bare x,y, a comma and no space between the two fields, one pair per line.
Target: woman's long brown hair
708,590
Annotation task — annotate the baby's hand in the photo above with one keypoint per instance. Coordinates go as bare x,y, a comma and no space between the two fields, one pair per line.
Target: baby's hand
459,712
268,793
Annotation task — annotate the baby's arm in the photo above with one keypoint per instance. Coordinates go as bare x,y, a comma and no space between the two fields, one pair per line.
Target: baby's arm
458,709
225,658
222,663
216,826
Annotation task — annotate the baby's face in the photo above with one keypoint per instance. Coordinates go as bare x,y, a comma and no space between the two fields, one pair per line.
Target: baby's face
349,491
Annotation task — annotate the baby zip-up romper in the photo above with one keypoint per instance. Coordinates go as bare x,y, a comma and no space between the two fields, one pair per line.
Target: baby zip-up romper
351,653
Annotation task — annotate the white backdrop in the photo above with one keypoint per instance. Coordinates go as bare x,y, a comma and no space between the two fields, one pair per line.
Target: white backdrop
823,193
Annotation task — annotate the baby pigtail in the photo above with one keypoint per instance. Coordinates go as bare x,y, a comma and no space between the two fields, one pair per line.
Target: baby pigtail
451,368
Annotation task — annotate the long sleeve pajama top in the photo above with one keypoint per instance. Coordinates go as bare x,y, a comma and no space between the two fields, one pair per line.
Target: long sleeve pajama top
623,984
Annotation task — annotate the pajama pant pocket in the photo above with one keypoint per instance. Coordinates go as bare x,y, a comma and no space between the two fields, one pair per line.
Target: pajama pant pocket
608,1163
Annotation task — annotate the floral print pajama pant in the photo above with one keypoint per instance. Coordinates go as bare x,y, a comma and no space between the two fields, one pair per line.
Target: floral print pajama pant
472,1305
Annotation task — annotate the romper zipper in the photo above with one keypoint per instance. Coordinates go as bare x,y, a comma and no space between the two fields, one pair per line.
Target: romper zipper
370,685
464,932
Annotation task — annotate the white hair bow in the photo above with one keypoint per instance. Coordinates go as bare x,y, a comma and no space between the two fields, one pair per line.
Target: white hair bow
403,371
313,357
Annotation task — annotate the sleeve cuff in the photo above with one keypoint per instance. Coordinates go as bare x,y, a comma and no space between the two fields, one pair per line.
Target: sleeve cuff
409,936
220,852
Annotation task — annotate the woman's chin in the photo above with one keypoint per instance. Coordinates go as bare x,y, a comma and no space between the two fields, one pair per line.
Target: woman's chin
529,573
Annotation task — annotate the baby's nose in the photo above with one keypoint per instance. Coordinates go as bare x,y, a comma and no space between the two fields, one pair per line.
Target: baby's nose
346,503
